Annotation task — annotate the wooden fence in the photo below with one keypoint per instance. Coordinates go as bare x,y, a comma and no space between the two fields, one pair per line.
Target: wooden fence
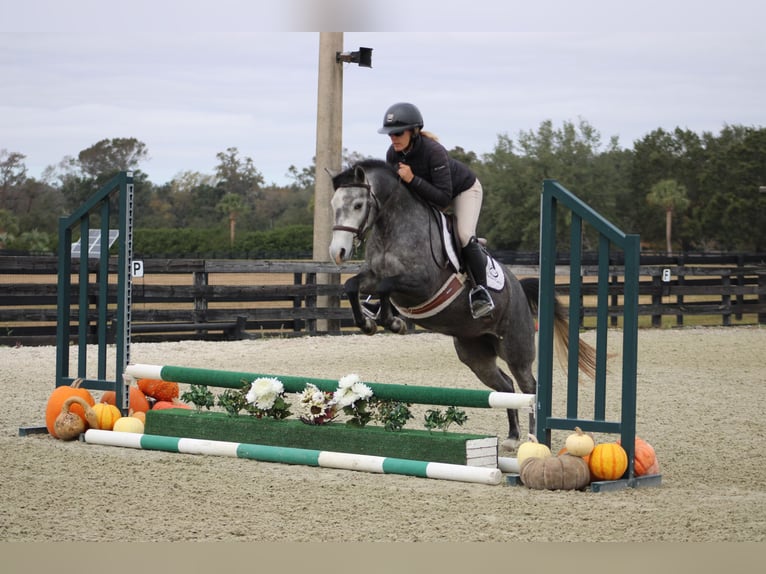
231,299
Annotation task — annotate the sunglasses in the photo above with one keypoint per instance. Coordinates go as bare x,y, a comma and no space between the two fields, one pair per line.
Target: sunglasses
396,134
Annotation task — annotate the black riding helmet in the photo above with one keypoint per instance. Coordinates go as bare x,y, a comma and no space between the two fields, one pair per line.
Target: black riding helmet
401,116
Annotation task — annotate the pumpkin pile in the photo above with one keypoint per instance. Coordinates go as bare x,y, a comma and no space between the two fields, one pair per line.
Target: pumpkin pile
580,462
71,410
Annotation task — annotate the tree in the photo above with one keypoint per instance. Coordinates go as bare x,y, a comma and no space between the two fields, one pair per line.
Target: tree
109,156
237,175
512,178
232,205
9,228
13,173
671,197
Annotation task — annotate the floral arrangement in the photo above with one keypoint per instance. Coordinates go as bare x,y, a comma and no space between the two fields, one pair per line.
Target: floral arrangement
316,407
266,398
353,398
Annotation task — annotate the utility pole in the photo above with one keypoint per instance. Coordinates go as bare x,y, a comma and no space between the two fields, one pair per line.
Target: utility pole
329,153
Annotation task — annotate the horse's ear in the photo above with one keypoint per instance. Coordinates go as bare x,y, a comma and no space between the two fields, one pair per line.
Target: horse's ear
359,176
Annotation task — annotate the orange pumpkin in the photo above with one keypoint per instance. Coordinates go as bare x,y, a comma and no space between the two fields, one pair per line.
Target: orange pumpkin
175,404
159,389
608,461
644,458
106,415
136,398
56,401
140,415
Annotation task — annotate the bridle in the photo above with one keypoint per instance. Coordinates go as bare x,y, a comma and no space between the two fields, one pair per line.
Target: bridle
365,225
359,232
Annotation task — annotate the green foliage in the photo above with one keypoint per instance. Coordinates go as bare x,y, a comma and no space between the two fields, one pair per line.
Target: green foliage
294,241
233,401
436,419
393,414
200,396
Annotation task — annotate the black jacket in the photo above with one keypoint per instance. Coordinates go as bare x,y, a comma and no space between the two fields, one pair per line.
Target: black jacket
438,177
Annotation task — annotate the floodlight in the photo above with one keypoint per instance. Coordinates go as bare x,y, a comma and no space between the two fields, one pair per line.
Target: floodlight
363,57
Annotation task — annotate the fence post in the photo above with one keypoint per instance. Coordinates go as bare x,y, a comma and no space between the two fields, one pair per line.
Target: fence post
657,300
200,301
726,300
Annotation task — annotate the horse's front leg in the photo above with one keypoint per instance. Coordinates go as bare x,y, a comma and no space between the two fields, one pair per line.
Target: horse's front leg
352,289
388,317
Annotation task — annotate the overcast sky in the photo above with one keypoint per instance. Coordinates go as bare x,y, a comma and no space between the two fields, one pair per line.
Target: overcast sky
193,78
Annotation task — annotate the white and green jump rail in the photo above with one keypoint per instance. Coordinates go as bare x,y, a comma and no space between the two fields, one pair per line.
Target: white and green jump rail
287,455
428,395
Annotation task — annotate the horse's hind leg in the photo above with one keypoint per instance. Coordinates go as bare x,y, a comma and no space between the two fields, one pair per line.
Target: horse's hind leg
518,350
480,356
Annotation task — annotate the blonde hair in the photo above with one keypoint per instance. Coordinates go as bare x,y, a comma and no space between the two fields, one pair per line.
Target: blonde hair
429,135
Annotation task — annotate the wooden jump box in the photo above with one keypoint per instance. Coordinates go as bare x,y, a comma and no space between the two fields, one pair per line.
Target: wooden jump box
433,446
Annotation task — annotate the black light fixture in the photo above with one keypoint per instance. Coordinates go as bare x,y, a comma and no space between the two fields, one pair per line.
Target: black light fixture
363,57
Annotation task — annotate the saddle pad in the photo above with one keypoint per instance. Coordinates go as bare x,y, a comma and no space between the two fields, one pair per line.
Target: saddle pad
495,275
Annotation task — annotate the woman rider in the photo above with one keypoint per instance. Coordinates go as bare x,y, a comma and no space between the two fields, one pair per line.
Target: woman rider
426,168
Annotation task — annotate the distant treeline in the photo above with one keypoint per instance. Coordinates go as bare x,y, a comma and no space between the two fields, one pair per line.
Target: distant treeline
679,190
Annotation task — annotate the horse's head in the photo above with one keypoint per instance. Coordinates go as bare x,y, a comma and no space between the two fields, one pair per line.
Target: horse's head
355,205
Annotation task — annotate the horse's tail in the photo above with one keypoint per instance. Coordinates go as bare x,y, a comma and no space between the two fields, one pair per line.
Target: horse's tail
586,359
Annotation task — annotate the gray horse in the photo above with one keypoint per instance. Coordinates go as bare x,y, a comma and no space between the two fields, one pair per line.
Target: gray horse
407,267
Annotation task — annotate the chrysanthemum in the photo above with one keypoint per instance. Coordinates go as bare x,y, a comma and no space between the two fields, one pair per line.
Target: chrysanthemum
264,392
350,390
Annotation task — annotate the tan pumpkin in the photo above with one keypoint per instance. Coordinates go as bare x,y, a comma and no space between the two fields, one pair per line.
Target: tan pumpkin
579,443
532,449
68,425
586,458
608,461
106,415
57,399
565,472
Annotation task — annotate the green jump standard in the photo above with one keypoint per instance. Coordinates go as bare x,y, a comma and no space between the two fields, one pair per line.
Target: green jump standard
435,446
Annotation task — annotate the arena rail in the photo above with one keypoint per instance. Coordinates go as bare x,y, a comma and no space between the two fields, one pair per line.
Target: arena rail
286,455
419,394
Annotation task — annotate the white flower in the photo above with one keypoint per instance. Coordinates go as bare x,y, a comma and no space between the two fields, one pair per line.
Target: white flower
350,390
348,380
264,392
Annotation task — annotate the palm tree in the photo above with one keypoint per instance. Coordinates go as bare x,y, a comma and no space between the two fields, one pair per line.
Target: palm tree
231,204
671,196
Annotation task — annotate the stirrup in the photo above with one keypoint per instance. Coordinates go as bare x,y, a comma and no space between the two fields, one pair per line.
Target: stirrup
480,301
370,309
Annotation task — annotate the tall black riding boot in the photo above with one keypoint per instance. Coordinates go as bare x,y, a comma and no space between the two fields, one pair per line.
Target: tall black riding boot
479,298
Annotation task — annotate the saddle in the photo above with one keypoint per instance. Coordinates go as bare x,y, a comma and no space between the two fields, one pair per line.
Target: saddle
451,246
455,284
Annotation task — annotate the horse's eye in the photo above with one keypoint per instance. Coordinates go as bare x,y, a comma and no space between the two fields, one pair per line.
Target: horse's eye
358,205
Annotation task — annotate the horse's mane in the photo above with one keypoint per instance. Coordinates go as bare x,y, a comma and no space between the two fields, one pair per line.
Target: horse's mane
347,176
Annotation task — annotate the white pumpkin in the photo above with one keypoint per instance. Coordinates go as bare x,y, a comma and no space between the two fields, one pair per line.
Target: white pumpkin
532,449
128,424
579,443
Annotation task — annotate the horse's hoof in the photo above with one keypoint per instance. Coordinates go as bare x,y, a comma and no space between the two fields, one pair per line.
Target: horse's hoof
397,326
509,446
370,327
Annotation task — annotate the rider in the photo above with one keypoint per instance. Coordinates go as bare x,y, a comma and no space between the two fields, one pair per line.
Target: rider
424,166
